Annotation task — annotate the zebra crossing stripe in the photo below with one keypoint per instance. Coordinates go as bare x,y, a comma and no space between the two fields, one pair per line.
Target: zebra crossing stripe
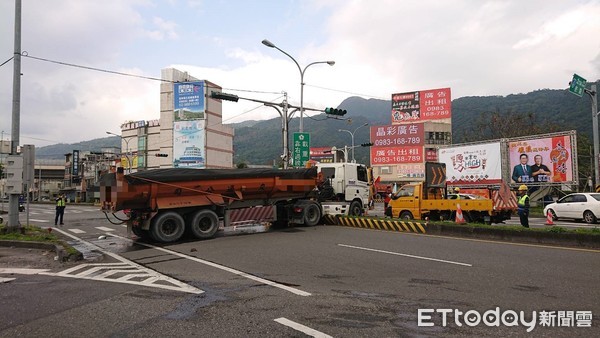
77,231
105,229
130,269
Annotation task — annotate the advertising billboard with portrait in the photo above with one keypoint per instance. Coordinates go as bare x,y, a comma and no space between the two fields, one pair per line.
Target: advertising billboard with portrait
472,164
542,160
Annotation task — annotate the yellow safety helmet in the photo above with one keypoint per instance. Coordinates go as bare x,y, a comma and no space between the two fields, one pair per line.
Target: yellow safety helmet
522,187
457,190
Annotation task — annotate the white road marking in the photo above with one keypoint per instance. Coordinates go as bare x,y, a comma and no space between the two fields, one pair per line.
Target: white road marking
39,220
105,229
96,271
299,327
77,231
76,211
222,267
405,255
22,271
5,280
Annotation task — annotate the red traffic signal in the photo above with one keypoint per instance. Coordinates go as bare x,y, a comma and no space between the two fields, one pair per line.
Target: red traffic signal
161,155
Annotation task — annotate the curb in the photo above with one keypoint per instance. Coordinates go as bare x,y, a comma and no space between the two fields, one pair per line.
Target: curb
376,223
516,236
61,253
459,230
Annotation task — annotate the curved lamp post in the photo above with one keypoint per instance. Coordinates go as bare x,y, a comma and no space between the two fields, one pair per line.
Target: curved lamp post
126,149
352,134
302,71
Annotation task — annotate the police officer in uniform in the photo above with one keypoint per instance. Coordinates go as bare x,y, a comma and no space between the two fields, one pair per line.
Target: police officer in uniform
60,209
523,205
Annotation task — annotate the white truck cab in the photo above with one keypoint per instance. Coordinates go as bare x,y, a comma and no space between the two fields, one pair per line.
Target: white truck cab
350,183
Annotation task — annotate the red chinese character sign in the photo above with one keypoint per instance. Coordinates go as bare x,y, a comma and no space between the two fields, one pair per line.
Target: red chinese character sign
398,135
424,105
321,154
396,155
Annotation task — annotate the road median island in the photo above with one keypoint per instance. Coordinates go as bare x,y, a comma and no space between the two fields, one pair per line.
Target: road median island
39,238
587,238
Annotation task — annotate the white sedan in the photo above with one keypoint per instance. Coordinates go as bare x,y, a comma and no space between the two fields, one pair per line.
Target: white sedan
585,206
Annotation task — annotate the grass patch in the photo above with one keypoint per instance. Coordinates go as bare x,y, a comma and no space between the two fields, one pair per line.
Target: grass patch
35,234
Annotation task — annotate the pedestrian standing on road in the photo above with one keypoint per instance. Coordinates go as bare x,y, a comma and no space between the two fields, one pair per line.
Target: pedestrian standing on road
387,198
60,209
523,206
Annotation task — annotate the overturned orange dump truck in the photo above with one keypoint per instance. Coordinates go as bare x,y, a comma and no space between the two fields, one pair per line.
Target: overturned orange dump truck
163,203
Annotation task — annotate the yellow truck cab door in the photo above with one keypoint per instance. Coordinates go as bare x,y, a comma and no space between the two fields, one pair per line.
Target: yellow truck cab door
405,202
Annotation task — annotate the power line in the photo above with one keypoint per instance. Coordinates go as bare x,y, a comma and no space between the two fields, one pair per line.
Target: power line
347,92
131,75
3,63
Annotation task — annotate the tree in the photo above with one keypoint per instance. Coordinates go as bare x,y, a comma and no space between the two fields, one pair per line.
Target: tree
498,125
242,165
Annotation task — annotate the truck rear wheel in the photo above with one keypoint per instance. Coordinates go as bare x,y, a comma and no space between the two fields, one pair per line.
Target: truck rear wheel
312,214
355,209
205,224
167,227
406,215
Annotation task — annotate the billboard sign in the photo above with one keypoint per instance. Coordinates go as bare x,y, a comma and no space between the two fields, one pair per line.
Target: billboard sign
472,164
189,101
396,155
321,154
398,135
424,105
189,144
541,161
411,170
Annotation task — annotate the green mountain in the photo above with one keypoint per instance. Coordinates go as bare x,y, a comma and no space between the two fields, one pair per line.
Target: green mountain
473,119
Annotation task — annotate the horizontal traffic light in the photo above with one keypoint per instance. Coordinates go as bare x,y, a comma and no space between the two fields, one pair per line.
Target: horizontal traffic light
369,144
335,111
224,96
161,155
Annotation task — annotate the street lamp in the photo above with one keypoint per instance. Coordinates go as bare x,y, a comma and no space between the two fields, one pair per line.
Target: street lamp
331,63
352,134
126,149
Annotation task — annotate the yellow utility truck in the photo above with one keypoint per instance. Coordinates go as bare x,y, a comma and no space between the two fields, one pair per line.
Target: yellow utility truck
430,199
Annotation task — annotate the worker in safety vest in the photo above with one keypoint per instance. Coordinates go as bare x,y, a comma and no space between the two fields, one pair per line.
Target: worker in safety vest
523,205
457,192
60,209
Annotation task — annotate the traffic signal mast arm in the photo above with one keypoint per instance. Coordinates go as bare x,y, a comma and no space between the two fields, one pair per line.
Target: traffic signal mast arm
235,98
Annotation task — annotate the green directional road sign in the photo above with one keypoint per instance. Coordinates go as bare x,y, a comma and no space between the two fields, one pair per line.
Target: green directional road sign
577,85
301,148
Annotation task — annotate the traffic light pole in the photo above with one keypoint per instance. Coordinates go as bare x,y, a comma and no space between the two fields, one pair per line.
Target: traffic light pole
594,97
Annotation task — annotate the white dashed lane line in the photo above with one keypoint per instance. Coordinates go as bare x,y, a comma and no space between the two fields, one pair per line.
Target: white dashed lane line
105,229
77,231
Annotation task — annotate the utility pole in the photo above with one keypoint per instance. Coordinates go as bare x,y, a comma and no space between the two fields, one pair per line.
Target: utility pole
13,200
594,97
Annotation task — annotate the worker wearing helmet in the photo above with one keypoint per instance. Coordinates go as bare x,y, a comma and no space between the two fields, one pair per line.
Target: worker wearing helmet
457,192
523,205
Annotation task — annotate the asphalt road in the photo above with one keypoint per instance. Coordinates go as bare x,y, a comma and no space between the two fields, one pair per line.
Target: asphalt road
337,281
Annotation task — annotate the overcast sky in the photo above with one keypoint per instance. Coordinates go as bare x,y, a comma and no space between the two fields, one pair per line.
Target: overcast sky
477,48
